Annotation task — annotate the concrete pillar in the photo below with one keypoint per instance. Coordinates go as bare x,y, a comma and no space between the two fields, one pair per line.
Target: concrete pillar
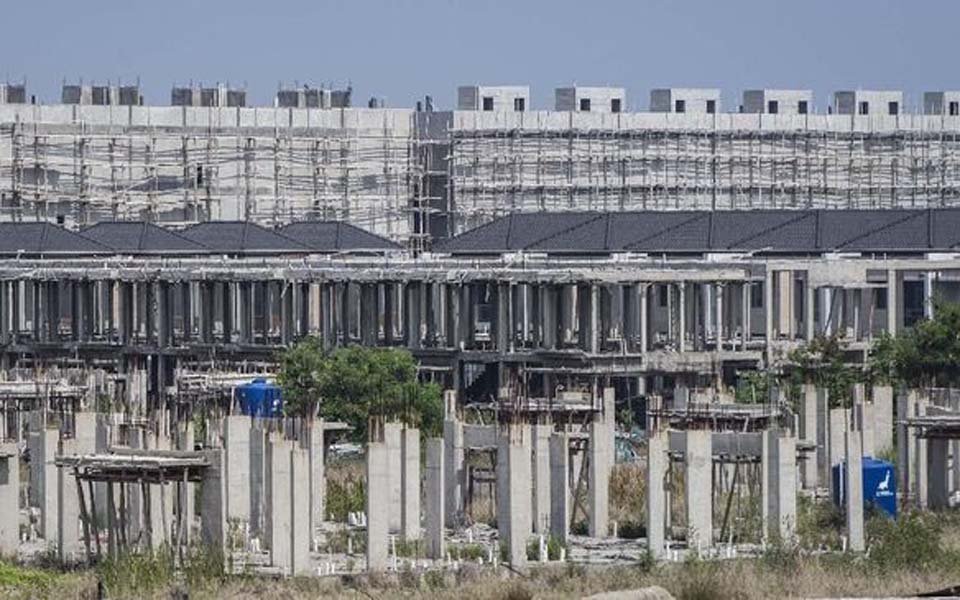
657,461
453,463
236,466
698,459
928,297
49,445
257,481
785,295
906,473
378,511
279,524
213,510
782,486
883,418
682,321
838,427
893,301
644,290
808,433
318,481
853,477
393,437
938,488
560,486
301,537
9,499
810,295
768,310
513,492
602,437
410,494
541,477
920,461
434,498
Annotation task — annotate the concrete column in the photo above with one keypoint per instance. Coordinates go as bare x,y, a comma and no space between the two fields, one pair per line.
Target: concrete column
906,472
682,322
768,310
719,320
393,437
601,460
453,463
560,486
928,298
434,498
698,459
414,333
213,514
853,476
657,447
938,487
893,301
513,492
809,302
258,477
920,461
279,524
9,499
318,481
883,417
644,291
782,487
301,537
378,512
410,494
541,477
236,466
808,433
49,444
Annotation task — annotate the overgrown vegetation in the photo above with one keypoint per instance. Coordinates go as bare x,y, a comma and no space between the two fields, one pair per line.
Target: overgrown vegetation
926,355
353,383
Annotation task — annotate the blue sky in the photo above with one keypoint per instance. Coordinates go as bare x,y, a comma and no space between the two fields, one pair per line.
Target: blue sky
403,49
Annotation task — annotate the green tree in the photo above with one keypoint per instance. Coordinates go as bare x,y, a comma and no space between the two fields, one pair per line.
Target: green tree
823,361
354,383
928,354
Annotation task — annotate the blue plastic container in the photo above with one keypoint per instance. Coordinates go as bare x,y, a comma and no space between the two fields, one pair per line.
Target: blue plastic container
879,485
260,399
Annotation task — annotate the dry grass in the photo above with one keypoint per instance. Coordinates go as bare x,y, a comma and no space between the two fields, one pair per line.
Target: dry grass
746,580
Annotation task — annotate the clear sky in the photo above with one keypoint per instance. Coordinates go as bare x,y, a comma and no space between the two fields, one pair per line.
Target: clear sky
402,49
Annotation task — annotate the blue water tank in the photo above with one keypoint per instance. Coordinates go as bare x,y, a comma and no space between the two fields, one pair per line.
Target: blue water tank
879,485
260,398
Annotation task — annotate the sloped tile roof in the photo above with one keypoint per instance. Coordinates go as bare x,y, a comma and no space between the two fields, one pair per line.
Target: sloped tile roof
771,231
45,238
138,237
336,236
242,237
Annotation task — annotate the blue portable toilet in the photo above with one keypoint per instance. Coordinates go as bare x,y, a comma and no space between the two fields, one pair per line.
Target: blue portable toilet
879,485
259,398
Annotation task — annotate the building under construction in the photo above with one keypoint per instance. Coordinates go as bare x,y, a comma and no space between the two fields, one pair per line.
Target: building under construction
415,175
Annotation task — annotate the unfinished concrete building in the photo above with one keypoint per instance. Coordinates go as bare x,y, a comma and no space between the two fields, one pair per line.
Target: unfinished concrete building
778,102
524,304
591,99
416,177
